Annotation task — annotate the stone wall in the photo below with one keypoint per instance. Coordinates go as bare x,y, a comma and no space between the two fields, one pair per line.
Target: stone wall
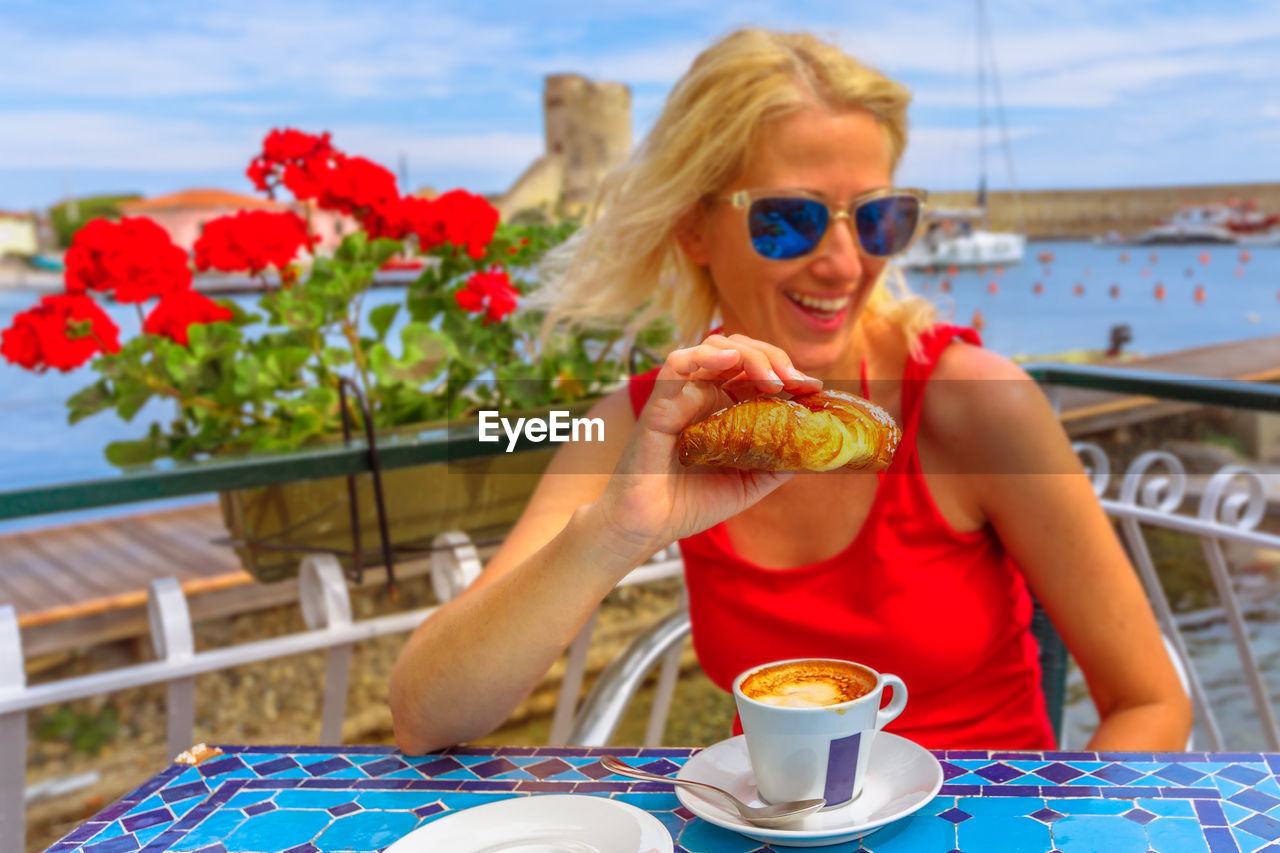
1086,213
587,131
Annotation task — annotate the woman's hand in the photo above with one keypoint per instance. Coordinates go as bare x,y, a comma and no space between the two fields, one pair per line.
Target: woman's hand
652,500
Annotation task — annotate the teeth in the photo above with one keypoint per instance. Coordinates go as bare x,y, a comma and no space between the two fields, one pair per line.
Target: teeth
829,306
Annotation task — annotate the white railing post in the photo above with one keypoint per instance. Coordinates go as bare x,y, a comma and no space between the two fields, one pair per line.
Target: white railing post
571,683
666,688
1163,494
1242,511
326,606
13,737
173,640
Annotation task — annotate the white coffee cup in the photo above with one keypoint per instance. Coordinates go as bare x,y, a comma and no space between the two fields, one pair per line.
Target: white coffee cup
805,752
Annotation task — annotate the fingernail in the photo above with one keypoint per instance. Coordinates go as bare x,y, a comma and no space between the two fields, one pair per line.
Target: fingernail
798,375
773,377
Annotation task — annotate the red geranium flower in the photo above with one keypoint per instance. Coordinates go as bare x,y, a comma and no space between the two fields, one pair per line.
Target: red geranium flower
63,331
251,240
291,157
490,292
174,314
463,219
133,259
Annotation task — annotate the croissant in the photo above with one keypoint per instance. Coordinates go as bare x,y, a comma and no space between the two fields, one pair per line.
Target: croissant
813,432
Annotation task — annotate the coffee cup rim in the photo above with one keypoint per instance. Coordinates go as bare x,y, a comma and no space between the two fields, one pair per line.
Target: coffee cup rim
742,676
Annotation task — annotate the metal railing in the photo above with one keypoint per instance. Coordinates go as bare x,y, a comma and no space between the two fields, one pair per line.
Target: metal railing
1226,514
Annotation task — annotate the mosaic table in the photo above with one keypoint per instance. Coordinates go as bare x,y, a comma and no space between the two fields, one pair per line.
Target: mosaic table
311,799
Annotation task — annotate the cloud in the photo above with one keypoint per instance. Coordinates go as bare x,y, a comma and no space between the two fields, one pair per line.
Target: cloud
100,140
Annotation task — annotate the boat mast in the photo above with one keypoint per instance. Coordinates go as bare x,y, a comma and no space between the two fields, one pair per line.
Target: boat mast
987,55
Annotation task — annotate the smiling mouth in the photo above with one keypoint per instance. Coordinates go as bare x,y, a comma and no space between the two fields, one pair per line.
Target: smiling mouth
823,309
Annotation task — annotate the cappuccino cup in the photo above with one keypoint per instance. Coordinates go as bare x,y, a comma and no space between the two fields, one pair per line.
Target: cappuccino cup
810,724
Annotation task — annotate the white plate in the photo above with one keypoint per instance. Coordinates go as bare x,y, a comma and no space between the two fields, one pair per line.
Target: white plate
901,778
554,823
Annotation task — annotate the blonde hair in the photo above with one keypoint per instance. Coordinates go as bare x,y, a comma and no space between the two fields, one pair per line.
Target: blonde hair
625,266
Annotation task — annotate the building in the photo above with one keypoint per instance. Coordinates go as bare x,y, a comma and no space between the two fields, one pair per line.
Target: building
183,214
19,234
587,131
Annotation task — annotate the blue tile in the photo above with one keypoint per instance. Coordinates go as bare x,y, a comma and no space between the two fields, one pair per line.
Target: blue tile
1266,828
277,830
1176,834
402,801
998,773
134,822
1118,774
1221,841
383,766
913,834
1000,806
145,836
1172,808
707,838
249,797
1179,774
651,802
312,799
1256,800
1006,834
119,844
327,766
1097,834
367,830
1243,775
185,791
211,830
1090,806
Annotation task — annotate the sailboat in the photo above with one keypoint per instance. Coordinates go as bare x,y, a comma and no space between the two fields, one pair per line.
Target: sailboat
960,236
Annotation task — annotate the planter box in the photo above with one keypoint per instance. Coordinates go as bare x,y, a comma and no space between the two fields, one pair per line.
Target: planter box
480,496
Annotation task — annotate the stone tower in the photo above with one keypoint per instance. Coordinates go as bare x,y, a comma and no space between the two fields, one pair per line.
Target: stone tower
587,131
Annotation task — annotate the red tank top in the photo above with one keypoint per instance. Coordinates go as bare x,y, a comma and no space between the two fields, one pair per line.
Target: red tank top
948,612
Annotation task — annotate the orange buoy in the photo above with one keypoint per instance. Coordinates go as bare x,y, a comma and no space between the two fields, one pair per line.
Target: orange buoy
1159,291
1244,256
982,270
1114,290
1199,293
1037,288
978,321
1124,257
953,269
1045,257
1078,290
993,287
999,270
1204,257
945,285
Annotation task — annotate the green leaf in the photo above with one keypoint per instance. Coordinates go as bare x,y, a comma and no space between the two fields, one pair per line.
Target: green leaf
382,317
90,401
382,250
130,397
424,352
126,453
352,248
284,363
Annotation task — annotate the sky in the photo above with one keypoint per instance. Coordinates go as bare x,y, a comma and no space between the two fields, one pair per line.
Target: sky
101,97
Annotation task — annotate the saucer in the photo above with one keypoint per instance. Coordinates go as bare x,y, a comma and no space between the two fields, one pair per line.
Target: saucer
901,778
552,823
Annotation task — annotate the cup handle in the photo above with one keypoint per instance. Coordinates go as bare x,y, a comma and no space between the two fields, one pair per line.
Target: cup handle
889,712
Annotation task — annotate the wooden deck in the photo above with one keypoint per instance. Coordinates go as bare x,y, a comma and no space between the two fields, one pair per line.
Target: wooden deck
86,583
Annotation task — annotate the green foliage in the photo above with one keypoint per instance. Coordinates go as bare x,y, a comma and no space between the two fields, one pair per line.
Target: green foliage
90,207
86,732
269,380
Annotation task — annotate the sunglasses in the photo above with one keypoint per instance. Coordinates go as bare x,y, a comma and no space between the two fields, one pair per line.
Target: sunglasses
790,224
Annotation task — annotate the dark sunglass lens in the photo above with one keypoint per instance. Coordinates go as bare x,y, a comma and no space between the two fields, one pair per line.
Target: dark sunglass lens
783,228
886,225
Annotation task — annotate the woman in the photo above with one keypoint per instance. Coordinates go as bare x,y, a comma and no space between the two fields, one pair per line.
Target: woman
736,208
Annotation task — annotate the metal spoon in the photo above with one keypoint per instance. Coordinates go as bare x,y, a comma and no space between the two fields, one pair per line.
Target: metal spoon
776,814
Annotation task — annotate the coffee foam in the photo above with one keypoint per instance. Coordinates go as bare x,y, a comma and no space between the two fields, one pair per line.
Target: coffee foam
808,683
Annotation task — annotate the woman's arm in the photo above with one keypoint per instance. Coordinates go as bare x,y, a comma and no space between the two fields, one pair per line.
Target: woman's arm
997,432
465,669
